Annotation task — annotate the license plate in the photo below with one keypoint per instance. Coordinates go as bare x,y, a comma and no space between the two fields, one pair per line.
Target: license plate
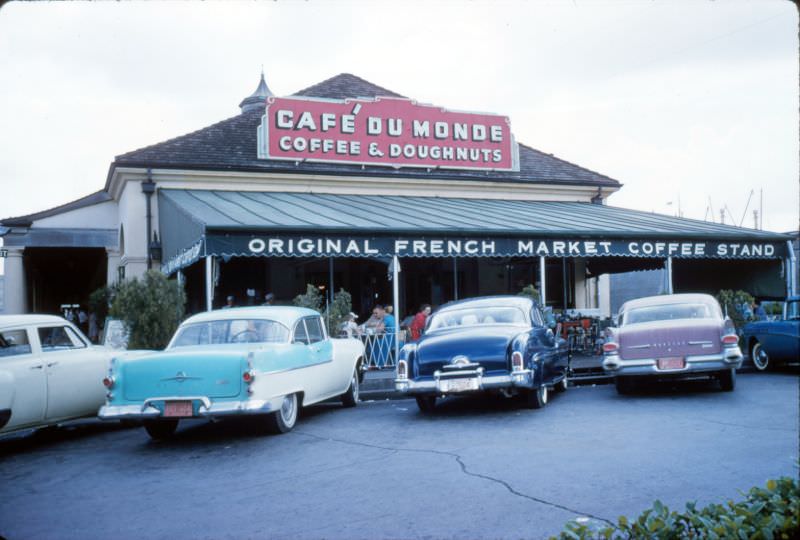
458,385
178,408
671,363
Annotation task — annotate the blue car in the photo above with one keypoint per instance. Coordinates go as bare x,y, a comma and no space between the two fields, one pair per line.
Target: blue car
499,344
263,362
772,342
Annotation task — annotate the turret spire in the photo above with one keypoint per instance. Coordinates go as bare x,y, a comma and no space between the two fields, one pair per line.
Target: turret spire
256,99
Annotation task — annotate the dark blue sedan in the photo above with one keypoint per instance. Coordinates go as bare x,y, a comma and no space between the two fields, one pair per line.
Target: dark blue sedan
498,344
772,342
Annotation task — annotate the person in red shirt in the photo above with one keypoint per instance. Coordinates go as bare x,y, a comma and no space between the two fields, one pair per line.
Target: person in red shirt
418,324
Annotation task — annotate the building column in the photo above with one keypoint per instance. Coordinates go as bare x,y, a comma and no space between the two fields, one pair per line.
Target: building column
209,282
15,288
542,281
112,266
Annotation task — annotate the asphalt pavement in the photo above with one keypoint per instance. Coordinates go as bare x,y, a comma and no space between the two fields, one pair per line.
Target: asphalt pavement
476,468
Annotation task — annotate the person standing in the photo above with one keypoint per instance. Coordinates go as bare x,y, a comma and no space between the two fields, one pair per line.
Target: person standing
418,324
349,326
759,313
93,329
269,299
83,321
229,302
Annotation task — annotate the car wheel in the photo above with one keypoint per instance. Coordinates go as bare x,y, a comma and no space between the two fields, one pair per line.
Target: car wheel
625,385
161,429
562,385
426,404
759,357
536,398
284,419
727,380
350,398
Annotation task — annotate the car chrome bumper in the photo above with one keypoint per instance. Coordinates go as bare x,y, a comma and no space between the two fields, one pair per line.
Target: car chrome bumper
514,379
204,408
730,357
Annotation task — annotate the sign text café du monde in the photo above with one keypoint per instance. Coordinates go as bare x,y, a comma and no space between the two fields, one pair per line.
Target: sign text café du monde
385,131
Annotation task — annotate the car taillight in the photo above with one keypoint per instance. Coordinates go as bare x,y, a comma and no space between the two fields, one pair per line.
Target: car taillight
610,347
730,339
108,382
248,376
402,369
517,362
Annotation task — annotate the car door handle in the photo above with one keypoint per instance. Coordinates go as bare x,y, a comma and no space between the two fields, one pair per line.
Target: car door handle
37,366
51,364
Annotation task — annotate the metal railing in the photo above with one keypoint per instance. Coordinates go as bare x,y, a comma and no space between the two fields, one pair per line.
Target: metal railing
379,349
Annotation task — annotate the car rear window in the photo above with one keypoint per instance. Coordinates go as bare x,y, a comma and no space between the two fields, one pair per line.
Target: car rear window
232,331
666,312
478,316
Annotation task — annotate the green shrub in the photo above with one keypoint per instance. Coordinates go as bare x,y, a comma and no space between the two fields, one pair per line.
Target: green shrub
312,299
151,309
100,301
735,304
335,313
533,292
764,514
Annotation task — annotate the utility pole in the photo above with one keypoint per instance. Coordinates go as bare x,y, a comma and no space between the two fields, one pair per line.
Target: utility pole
722,216
755,219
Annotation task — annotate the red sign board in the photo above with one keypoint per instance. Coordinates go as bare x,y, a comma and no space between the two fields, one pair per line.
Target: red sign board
385,131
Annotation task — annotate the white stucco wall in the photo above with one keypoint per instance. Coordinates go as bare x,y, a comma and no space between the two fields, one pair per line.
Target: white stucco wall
98,216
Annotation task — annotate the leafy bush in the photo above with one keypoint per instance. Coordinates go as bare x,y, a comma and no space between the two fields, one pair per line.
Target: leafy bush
735,304
151,309
336,312
100,300
533,292
765,514
312,299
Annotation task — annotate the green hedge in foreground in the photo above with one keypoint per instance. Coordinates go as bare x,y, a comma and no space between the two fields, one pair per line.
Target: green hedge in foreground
771,513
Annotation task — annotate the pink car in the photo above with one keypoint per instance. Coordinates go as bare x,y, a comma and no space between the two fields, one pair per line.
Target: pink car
672,336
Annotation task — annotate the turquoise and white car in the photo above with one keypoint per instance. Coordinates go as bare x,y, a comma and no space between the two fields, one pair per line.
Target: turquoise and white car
261,361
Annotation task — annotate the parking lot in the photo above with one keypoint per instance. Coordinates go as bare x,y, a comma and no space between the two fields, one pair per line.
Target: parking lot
478,467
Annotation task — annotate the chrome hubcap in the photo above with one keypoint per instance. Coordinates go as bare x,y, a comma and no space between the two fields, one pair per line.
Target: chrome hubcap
760,358
544,394
289,409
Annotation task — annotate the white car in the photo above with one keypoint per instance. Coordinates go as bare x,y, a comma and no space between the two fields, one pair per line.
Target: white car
49,372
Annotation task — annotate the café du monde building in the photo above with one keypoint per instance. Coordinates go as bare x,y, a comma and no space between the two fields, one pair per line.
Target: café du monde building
348,185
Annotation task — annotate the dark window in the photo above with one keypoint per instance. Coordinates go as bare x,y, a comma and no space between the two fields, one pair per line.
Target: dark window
314,326
14,343
56,338
300,334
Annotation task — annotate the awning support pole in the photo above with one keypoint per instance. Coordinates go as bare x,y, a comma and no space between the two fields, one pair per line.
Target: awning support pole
209,282
396,303
542,282
455,278
670,289
564,281
330,278
791,270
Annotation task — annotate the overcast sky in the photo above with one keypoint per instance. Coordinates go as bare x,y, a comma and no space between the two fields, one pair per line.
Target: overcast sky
696,100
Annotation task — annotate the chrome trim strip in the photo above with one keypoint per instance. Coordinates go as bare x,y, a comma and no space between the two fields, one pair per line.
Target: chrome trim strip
639,346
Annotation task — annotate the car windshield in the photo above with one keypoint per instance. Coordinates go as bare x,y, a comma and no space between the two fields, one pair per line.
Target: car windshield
478,316
666,312
793,310
231,331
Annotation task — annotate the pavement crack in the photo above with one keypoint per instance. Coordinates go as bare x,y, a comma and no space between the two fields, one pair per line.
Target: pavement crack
464,469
